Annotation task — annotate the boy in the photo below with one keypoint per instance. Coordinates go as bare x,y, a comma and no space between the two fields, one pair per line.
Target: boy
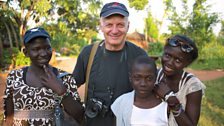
141,107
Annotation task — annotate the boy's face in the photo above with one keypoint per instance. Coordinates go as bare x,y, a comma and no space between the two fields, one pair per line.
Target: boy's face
39,51
143,77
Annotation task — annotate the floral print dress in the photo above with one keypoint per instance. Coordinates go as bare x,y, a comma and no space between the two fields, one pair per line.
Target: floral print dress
33,99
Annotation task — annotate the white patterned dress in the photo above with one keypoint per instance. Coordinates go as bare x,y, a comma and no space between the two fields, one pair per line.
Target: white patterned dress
29,98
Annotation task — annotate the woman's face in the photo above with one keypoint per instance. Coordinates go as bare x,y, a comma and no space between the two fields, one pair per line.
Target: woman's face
143,78
174,60
39,51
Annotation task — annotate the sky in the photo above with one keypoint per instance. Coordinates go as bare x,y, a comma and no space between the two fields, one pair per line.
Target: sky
137,17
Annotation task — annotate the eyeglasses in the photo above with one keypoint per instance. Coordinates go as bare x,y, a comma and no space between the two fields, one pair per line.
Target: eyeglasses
183,46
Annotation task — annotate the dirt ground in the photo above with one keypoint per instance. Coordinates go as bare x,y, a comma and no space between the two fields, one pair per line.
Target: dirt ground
67,64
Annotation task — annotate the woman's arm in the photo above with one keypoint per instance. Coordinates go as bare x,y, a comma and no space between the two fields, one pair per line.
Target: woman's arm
8,111
191,115
74,108
71,100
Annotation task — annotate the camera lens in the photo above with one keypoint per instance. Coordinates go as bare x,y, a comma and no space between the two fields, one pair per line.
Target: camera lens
93,108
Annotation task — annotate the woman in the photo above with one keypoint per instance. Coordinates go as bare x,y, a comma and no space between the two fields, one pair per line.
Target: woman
182,90
32,92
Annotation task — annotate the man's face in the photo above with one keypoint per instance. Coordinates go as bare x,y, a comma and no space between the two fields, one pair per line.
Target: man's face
114,28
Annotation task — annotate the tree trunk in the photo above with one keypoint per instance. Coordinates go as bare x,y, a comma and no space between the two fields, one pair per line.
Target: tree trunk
9,35
14,34
1,53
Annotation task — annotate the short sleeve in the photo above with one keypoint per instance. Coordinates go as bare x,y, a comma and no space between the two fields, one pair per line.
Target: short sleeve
195,85
8,96
79,72
115,107
71,86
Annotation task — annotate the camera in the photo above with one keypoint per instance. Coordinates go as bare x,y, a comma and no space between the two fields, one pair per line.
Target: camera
95,106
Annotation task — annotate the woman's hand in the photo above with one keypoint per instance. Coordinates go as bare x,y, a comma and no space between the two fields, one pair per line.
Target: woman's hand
51,81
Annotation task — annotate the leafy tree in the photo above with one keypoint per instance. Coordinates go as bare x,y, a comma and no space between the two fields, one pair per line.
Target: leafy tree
151,28
69,22
138,4
76,23
197,24
23,11
220,37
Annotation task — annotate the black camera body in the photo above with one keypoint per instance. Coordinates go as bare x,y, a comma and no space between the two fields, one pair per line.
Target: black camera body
96,106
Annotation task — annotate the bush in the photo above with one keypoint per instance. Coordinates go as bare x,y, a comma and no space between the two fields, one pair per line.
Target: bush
155,49
14,57
212,50
210,57
21,59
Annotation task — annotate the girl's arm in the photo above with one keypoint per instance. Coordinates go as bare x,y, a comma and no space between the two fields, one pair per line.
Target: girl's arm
191,115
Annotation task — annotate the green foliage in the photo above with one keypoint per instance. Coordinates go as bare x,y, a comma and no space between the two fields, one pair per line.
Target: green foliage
212,50
1,118
155,49
21,59
79,18
220,38
60,40
138,4
208,64
7,57
15,57
42,7
151,28
210,57
212,112
197,24
75,50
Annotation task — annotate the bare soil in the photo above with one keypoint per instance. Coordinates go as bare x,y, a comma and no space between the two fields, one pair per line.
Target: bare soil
68,64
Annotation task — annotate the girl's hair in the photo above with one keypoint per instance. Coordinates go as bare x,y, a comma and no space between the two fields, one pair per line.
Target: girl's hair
187,40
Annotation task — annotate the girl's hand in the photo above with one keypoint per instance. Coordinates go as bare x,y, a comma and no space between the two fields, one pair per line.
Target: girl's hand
51,81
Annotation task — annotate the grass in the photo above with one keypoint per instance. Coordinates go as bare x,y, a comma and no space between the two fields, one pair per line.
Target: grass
208,64
212,113
1,117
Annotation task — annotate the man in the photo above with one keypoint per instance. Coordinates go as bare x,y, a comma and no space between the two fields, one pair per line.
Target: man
109,73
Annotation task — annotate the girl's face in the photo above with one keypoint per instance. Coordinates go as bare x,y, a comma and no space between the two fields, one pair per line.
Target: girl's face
143,78
174,60
39,51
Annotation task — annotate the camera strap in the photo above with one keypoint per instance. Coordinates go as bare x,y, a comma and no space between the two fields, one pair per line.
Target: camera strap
90,62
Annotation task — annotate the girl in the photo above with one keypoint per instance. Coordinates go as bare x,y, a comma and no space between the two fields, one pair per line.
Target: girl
180,89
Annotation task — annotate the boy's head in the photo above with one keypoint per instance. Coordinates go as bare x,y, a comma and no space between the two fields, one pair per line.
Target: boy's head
143,75
37,46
